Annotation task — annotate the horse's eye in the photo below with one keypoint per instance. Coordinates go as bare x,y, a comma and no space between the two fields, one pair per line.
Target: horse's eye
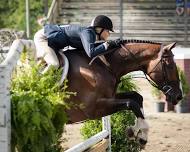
169,62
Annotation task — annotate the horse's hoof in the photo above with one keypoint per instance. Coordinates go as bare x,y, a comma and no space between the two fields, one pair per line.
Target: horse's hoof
142,143
130,132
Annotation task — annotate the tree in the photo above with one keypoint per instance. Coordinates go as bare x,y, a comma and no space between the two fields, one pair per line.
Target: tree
12,14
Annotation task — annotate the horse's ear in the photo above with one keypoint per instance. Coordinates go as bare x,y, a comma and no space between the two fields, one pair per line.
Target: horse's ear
170,46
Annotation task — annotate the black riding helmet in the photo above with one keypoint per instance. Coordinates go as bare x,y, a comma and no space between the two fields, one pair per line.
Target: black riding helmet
102,21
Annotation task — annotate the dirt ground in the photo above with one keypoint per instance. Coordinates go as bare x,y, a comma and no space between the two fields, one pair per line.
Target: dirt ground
169,131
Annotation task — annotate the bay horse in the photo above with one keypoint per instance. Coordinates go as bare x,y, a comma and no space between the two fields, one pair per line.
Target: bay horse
96,84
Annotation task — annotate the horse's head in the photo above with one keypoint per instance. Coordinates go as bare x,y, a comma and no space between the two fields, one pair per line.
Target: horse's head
163,74
154,59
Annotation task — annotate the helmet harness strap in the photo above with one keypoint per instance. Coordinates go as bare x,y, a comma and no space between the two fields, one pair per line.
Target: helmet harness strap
99,34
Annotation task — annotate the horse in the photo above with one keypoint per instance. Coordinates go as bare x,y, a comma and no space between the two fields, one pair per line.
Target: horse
95,84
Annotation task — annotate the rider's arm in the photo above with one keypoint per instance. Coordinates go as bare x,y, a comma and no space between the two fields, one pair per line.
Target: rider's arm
88,39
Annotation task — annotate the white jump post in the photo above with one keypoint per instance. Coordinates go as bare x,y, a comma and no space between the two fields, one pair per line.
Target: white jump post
105,133
6,68
106,125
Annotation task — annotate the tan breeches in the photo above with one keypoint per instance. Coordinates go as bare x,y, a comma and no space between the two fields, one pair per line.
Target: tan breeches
43,50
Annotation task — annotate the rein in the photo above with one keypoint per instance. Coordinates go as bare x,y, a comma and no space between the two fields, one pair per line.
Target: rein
166,88
146,75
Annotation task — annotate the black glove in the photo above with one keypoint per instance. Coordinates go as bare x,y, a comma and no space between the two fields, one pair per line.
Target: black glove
114,43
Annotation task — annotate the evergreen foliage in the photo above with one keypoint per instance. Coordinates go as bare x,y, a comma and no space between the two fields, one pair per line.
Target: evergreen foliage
185,88
12,14
184,82
37,109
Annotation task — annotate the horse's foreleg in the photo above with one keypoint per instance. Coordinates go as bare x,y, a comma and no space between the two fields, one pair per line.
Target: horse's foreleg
140,124
132,95
136,97
107,106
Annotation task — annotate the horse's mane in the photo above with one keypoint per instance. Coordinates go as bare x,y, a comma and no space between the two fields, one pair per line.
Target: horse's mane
113,50
139,41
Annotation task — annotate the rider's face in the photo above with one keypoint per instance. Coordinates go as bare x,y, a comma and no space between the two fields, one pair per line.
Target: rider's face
105,34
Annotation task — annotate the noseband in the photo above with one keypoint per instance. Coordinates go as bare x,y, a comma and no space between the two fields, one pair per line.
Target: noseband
166,87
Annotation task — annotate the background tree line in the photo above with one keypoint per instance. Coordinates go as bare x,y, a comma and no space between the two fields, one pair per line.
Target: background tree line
12,14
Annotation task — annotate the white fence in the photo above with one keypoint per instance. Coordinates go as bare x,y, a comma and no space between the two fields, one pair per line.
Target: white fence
4,108
6,68
105,133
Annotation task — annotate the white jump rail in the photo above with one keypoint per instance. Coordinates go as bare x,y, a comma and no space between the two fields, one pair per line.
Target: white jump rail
6,68
105,133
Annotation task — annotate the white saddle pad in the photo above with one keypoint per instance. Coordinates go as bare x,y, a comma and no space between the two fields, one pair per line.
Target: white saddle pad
65,68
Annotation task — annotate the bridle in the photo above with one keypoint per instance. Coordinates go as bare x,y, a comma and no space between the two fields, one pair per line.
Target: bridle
166,87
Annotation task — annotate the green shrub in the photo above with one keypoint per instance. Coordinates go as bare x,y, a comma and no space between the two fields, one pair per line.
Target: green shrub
184,82
38,115
126,84
119,122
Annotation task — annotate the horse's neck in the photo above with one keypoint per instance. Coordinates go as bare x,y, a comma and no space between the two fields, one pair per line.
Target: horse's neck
142,53
134,57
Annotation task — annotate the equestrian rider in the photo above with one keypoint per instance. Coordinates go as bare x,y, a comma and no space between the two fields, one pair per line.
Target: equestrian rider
52,38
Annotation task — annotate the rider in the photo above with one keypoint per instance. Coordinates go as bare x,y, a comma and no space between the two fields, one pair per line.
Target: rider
53,38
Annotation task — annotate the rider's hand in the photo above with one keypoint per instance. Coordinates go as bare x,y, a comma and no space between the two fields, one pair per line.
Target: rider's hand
114,43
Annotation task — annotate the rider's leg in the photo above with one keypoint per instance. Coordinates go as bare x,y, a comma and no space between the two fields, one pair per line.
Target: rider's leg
51,59
44,51
40,41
